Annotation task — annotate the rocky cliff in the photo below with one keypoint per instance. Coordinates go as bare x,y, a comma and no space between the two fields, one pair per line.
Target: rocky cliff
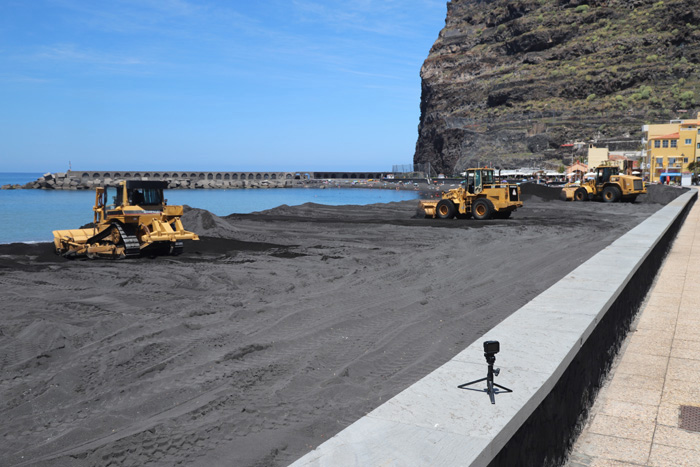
509,81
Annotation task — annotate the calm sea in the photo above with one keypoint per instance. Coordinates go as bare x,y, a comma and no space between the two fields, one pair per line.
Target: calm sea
31,215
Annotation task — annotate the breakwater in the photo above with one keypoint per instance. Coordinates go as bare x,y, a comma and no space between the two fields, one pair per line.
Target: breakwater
87,180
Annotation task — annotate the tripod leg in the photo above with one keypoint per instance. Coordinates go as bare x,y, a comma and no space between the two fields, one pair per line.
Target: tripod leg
490,391
505,389
462,386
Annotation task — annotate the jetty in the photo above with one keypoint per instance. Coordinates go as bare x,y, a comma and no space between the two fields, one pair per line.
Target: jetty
89,179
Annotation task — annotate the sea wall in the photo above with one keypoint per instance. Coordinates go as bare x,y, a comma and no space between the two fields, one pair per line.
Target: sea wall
87,180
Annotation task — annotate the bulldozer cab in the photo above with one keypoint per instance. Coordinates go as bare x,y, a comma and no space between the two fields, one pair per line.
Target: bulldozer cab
133,193
111,198
145,193
477,178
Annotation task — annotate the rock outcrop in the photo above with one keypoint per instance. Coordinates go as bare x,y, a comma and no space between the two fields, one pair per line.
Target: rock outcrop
509,81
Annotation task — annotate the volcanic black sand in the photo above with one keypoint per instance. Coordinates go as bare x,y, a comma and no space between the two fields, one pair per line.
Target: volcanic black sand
272,333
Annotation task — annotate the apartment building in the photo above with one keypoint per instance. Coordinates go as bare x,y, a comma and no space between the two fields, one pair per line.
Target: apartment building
670,147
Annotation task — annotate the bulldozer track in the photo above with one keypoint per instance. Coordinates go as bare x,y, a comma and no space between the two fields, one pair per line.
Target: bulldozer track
132,246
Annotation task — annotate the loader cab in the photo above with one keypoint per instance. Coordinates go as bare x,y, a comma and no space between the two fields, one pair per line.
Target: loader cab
604,173
477,178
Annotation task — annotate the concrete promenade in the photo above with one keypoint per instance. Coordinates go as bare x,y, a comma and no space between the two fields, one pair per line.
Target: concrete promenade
635,419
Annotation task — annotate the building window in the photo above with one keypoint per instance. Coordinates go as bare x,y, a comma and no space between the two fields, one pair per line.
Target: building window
671,161
660,161
688,141
665,143
685,160
657,144
674,143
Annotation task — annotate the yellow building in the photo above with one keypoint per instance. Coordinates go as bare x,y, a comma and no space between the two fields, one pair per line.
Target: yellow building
596,156
670,147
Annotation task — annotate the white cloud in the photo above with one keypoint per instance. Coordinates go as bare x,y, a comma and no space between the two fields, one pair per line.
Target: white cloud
73,53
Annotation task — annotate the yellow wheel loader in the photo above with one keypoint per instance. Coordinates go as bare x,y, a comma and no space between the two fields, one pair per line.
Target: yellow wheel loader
129,219
608,185
480,197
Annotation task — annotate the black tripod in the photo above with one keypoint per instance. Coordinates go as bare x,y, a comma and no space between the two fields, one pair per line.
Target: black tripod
491,387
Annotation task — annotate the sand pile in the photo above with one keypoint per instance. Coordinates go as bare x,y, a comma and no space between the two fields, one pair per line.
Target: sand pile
661,194
265,340
205,223
656,194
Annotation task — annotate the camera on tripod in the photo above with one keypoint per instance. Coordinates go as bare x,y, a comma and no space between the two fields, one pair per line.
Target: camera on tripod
491,348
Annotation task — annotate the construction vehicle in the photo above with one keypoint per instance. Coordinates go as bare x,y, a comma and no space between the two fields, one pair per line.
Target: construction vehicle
130,219
608,185
480,196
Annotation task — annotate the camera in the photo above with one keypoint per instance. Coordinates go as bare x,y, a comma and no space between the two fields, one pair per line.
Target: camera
491,347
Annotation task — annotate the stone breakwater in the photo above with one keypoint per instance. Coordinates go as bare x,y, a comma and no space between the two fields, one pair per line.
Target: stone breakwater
82,180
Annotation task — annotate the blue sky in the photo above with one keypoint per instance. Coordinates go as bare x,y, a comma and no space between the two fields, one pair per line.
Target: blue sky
212,85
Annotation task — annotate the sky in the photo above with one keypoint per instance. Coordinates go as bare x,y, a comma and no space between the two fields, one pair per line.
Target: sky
212,84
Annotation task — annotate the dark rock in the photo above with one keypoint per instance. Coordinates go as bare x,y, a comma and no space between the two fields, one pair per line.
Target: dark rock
580,70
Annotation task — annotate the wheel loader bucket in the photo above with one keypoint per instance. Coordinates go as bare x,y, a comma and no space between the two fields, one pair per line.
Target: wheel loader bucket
428,207
567,193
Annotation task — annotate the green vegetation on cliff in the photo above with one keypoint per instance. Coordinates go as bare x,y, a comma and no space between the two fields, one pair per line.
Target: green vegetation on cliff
515,79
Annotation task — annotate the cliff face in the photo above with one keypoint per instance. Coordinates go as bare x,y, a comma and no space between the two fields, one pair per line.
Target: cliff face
508,81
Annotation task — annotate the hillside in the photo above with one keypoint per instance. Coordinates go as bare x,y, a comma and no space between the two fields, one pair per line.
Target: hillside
509,81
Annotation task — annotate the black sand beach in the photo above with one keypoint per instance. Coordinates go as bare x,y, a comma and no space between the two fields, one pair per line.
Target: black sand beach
274,332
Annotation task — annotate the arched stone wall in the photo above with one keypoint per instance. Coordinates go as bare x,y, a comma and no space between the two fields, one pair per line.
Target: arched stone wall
185,179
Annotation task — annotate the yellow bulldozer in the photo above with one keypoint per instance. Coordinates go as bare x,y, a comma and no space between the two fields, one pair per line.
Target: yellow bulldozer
480,197
608,184
130,219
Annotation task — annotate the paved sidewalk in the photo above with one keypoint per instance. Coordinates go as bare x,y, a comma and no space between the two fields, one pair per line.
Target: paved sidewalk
635,419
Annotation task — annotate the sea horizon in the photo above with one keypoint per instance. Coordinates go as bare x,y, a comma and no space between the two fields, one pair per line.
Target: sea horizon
35,213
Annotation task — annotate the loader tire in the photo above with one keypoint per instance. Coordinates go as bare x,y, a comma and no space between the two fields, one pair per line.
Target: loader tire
611,194
445,209
482,209
581,194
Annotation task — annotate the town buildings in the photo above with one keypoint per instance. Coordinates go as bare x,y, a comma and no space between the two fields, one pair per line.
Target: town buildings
670,148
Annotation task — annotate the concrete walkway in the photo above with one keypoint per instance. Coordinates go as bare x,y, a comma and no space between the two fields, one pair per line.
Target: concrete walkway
635,419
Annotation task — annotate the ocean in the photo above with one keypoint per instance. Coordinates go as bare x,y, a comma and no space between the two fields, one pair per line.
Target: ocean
31,215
